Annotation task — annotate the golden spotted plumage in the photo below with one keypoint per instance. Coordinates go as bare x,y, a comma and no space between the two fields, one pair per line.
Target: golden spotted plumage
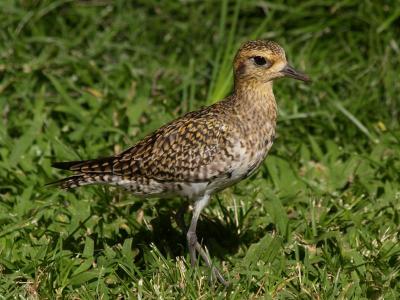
203,151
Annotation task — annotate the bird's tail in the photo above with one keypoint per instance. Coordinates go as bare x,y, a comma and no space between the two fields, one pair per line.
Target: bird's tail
71,182
87,172
93,166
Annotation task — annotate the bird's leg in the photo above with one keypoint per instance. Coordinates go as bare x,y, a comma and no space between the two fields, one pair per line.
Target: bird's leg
194,245
191,234
179,217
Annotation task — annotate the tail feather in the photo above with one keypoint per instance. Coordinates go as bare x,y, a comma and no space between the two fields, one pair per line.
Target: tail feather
100,165
87,172
70,182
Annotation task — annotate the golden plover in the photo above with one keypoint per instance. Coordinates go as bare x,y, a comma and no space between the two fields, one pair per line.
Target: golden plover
203,151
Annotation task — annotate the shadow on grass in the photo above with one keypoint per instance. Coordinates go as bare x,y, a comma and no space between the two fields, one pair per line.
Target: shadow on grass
219,236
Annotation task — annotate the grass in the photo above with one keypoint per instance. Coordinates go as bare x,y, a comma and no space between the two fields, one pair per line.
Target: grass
81,79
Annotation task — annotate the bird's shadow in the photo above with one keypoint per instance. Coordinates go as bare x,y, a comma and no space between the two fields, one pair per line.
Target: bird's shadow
164,230
168,233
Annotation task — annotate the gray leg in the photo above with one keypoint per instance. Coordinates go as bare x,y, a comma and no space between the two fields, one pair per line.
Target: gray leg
194,245
179,216
191,234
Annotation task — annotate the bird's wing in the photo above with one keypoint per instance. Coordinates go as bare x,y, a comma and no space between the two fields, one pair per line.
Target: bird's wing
188,149
183,150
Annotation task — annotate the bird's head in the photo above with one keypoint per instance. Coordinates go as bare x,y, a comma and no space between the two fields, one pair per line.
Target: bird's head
262,61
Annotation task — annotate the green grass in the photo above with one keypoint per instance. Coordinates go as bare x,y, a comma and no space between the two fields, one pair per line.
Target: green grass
81,79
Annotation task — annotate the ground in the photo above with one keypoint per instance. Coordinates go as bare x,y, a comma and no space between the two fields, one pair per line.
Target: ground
81,79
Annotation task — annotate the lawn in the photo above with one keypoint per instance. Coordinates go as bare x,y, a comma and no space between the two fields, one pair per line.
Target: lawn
81,79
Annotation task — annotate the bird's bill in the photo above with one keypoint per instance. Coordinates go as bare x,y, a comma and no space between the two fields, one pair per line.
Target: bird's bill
291,72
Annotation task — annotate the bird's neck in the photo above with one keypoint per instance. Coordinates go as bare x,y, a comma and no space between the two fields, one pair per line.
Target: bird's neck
256,100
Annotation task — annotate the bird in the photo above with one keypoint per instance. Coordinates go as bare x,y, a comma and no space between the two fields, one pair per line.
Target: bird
203,151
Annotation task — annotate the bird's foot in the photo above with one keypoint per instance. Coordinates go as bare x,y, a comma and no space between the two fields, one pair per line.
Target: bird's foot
194,246
215,273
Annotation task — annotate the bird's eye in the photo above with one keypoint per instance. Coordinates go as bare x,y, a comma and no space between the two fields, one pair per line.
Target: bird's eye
259,60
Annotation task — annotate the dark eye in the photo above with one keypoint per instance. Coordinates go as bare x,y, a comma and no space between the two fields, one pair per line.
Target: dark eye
259,60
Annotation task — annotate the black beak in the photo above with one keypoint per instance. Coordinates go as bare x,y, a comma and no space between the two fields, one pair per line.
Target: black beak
289,71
